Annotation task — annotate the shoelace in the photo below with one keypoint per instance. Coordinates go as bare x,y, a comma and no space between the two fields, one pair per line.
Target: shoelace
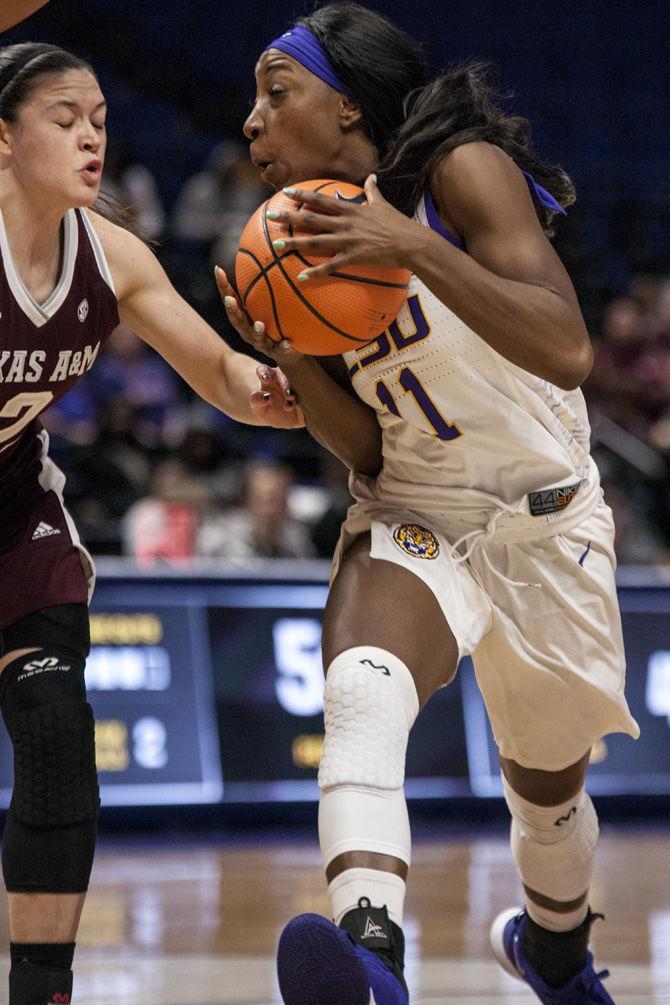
587,983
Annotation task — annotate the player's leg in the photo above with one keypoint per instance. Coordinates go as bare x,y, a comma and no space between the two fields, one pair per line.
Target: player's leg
554,834
387,647
551,670
49,834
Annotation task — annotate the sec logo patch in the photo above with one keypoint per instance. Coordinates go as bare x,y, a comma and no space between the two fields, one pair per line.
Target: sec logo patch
416,541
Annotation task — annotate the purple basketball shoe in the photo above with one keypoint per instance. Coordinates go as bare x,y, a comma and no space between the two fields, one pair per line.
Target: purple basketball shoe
585,988
359,963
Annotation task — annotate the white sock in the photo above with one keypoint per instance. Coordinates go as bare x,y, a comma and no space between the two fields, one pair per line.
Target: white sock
383,889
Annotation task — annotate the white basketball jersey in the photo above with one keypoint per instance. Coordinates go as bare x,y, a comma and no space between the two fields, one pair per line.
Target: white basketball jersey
455,414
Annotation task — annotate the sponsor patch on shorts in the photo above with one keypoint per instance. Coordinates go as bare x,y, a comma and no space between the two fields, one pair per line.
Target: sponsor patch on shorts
417,541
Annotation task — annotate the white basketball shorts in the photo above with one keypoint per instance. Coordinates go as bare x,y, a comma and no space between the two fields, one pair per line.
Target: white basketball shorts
541,621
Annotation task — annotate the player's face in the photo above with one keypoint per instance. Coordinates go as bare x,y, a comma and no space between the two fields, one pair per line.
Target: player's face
296,126
56,147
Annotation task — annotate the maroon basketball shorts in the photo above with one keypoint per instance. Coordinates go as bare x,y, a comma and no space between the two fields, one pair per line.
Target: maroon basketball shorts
41,565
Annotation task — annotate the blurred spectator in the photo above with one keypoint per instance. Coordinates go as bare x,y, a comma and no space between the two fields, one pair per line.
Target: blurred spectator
106,476
129,368
134,188
164,524
326,530
214,204
211,457
261,527
617,355
636,541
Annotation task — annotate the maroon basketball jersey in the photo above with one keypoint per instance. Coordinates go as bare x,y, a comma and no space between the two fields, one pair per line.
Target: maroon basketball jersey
44,349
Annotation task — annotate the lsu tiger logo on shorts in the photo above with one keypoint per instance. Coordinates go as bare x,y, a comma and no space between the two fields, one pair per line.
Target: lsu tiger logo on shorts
416,540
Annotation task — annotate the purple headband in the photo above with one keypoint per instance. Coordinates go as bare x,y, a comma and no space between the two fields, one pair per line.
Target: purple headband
303,45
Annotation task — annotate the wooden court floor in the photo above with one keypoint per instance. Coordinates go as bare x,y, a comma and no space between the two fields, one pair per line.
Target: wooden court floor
195,922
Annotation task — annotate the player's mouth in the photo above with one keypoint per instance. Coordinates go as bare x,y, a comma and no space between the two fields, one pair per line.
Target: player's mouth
266,166
92,171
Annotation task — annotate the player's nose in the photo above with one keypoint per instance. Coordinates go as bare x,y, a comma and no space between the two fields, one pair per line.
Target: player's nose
253,125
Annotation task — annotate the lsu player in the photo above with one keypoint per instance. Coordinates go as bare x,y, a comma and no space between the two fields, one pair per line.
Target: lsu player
479,526
66,278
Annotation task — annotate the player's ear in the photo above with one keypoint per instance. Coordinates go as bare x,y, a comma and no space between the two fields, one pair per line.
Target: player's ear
5,138
350,112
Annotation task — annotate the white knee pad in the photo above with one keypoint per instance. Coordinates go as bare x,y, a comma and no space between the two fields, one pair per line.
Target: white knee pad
553,846
370,706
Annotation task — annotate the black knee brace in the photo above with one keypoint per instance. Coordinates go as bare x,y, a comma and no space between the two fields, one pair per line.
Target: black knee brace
50,830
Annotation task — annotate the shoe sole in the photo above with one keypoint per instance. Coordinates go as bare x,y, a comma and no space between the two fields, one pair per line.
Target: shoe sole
497,940
317,965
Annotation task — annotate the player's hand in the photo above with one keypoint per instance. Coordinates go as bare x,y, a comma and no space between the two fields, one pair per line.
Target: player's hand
374,234
253,332
275,402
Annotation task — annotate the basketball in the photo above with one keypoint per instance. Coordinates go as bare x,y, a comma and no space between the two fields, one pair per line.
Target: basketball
329,315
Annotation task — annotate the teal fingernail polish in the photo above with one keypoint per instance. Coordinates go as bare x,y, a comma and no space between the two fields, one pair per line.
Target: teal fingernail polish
289,191
302,277
279,245
272,214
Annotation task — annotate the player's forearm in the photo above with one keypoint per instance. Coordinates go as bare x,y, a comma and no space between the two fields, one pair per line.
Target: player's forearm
14,11
531,326
339,422
231,391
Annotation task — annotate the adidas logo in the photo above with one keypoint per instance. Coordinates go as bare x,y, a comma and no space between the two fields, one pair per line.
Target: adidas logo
43,529
373,931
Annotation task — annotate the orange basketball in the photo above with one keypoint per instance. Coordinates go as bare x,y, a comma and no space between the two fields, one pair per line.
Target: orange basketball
327,316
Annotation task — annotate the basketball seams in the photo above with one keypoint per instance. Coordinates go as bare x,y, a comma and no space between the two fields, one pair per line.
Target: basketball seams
294,288
263,275
263,270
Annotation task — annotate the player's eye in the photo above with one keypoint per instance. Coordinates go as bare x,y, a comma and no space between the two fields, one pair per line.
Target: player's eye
275,91
65,125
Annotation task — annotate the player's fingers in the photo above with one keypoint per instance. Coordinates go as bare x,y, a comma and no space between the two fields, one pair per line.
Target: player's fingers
275,413
332,265
223,284
327,243
372,193
327,204
285,385
273,380
304,221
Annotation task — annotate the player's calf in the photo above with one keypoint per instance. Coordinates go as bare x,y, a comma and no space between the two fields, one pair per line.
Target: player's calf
50,830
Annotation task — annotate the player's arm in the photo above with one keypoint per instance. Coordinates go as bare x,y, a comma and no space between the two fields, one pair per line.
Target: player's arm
334,416
13,11
511,288
149,304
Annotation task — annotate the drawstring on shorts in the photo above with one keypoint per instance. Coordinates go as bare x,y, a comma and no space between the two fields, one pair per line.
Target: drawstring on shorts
477,538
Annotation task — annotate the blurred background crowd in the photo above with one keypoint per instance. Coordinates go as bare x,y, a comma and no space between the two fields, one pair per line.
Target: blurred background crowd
155,473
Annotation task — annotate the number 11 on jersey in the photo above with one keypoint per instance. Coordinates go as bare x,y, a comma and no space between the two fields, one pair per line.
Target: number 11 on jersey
411,384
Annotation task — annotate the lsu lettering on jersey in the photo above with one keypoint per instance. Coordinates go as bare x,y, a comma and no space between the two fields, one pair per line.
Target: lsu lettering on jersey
456,415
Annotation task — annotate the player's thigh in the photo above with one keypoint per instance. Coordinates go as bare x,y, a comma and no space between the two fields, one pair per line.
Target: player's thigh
378,603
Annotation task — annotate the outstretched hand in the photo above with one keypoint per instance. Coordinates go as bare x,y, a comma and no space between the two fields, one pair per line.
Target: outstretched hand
374,234
274,402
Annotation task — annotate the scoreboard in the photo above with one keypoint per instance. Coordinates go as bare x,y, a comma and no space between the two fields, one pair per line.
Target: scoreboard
207,687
